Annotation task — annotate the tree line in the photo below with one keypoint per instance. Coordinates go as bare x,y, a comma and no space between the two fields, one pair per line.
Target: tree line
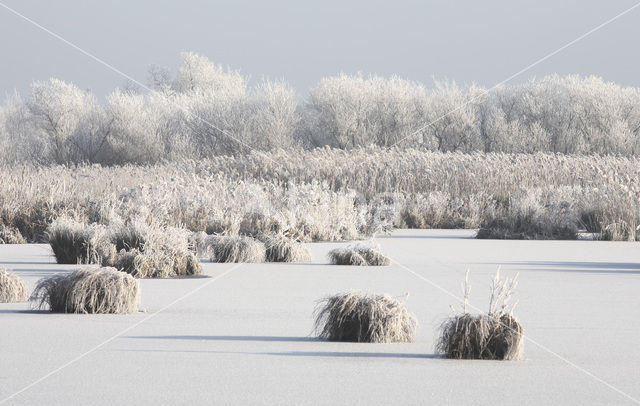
203,109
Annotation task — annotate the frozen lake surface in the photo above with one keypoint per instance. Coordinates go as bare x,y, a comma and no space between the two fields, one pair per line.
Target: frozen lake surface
245,337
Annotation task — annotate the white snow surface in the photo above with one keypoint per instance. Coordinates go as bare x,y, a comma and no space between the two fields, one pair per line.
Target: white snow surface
246,337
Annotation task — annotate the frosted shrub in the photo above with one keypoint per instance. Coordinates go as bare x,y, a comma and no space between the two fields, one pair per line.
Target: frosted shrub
272,112
20,137
197,73
205,109
454,123
572,114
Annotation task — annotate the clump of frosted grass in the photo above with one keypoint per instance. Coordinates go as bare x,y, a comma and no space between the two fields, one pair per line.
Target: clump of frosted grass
362,254
364,318
154,251
280,248
12,288
11,235
535,214
158,264
496,335
89,290
236,249
74,242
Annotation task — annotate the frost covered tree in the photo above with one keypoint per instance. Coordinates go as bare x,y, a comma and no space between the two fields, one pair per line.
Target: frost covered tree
451,118
19,137
203,109
569,114
210,104
273,117
70,120
353,111
397,110
221,114
133,130
197,73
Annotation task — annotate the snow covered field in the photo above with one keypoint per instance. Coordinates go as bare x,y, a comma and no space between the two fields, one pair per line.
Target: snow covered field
245,337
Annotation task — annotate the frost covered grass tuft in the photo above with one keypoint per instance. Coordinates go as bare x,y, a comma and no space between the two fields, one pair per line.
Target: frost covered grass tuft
74,242
359,254
236,249
535,215
496,335
89,290
12,288
143,250
481,336
153,251
158,264
283,249
129,236
11,235
201,244
364,318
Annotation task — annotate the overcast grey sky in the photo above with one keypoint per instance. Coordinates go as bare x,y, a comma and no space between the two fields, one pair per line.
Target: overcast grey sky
302,41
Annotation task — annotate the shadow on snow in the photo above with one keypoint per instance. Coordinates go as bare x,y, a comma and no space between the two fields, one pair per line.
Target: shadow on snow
579,267
229,338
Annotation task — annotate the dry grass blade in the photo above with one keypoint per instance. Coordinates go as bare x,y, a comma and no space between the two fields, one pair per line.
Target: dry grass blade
237,249
356,317
89,290
12,288
359,254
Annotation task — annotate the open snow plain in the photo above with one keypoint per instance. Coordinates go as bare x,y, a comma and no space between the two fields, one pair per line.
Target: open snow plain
245,337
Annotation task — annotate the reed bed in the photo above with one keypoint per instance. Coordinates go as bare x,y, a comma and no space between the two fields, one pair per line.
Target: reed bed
334,195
